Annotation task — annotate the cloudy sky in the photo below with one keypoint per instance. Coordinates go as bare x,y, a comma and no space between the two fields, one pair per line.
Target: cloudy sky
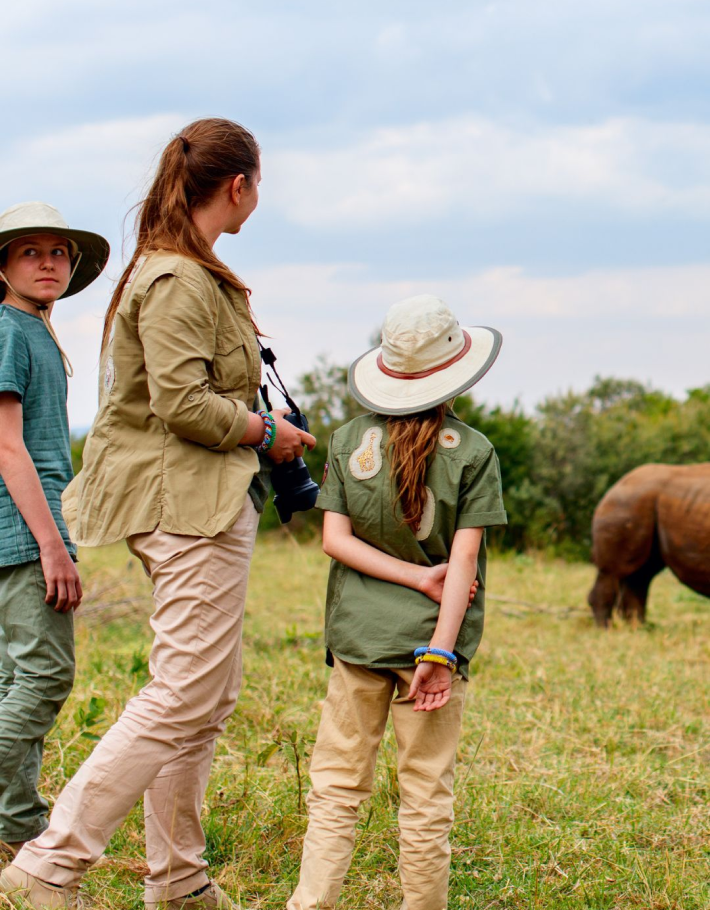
542,166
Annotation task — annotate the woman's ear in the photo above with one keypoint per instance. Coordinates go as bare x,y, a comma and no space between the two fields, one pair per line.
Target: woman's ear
236,187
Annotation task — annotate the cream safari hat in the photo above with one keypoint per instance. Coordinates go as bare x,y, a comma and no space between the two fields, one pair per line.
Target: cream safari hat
89,251
425,358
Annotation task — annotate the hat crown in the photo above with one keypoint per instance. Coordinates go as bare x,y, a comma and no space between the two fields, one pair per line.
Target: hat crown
32,215
420,333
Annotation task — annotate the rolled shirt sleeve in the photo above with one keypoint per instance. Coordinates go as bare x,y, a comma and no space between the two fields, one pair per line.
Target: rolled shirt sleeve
481,494
177,330
332,496
14,360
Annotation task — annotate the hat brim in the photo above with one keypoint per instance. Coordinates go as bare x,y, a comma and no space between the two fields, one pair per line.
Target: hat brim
385,394
94,251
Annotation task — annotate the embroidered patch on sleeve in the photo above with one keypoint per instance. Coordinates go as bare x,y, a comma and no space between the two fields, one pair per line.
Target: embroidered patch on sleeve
109,374
427,522
449,439
366,460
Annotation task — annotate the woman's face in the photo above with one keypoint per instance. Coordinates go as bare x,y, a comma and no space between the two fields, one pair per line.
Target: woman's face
245,197
39,267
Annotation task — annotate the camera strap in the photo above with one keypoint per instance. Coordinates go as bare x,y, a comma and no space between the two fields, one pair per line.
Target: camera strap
269,359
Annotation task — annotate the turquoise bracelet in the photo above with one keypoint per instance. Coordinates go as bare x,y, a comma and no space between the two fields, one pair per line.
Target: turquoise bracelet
269,431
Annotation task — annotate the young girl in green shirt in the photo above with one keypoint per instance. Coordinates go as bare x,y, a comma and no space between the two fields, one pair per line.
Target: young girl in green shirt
408,492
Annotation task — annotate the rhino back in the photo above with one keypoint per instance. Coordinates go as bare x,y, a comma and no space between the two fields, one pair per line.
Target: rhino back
624,522
684,525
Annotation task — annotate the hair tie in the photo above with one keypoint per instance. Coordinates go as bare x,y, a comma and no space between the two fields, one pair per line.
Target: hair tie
185,144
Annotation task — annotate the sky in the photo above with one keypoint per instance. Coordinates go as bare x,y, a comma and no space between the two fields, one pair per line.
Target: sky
544,167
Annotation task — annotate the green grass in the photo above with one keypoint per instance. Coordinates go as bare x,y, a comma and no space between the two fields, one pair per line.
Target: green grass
583,780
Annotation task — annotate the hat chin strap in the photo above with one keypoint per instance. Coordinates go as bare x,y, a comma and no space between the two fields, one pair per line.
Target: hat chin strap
42,307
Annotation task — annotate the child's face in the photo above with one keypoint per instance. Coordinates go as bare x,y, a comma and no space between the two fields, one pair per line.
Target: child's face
39,266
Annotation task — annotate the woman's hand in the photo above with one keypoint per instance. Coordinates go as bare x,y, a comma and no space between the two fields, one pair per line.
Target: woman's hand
432,583
290,442
431,686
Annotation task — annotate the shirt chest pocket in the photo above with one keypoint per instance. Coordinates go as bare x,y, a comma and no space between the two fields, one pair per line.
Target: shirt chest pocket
229,367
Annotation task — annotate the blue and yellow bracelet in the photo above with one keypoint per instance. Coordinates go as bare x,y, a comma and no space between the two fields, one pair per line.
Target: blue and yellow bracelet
436,656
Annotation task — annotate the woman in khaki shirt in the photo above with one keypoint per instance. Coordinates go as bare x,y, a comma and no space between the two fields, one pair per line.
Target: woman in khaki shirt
168,465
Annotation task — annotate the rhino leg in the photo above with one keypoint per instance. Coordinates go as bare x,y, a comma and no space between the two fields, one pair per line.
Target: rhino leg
633,590
603,596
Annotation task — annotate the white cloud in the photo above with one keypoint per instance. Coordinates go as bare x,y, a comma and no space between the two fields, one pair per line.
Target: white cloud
417,174
651,324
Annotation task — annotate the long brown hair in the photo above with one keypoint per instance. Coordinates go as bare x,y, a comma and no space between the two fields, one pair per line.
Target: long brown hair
412,442
192,168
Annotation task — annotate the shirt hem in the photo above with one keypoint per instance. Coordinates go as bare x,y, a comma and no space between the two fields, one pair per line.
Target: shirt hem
329,505
391,664
481,520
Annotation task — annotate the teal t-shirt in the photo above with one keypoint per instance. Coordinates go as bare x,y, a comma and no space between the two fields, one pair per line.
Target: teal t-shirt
31,367
375,623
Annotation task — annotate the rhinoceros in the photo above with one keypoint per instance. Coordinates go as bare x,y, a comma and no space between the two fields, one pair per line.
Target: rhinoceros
657,515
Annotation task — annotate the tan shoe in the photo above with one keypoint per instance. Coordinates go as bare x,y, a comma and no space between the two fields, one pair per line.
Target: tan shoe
213,898
25,891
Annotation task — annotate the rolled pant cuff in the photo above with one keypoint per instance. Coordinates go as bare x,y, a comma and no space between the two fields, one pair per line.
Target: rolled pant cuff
46,871
155,893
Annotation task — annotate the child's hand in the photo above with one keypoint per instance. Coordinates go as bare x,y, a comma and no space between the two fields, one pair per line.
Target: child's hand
63,583
431,686
432,583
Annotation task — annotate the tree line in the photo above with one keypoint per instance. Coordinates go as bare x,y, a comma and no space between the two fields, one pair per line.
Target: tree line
556,463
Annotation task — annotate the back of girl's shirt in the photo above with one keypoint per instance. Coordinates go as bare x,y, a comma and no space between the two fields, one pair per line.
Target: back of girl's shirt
376,623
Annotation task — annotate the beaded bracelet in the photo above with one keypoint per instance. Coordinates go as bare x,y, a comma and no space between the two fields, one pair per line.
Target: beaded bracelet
440,651
269,431
436,659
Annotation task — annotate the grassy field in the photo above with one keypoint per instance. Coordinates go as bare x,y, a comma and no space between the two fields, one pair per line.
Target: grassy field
583,780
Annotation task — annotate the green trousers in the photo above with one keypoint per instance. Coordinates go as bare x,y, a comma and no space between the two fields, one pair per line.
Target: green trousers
36,676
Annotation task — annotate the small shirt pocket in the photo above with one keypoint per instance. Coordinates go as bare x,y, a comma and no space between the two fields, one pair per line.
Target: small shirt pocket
229,368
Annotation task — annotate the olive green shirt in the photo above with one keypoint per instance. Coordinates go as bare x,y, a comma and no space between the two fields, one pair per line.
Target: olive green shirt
376,623
178,378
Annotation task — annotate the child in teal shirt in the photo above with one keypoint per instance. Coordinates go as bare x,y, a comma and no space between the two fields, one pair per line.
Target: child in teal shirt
41,260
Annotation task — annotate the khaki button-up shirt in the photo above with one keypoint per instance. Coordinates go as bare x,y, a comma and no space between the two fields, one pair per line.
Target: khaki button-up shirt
178,377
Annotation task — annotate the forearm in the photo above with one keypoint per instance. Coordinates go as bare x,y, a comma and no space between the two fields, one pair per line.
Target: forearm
24,486
463,566
340,543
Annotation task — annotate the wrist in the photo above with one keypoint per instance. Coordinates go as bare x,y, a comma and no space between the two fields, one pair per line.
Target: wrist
269,437
436,656
51,545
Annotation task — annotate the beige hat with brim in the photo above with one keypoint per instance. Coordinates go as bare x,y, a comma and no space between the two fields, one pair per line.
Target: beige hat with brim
27,218
425,359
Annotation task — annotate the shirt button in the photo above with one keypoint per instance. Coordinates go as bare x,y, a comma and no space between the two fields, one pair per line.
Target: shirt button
191,397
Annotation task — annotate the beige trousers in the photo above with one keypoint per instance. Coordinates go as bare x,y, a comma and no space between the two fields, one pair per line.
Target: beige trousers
342,771
163,743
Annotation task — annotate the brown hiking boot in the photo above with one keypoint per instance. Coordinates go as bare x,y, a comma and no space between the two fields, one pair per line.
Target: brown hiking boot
30,893
212,898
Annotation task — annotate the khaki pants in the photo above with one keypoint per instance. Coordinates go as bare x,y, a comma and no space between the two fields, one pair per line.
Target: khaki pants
342,771
163,743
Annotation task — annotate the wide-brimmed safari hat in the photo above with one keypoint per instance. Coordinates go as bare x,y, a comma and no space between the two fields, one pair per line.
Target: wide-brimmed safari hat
425,359
89,251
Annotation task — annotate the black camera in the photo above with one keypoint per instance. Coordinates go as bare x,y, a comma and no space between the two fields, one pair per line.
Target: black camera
294,490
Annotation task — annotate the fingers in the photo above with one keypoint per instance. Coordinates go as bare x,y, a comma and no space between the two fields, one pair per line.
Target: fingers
431,701
51,591
62,596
